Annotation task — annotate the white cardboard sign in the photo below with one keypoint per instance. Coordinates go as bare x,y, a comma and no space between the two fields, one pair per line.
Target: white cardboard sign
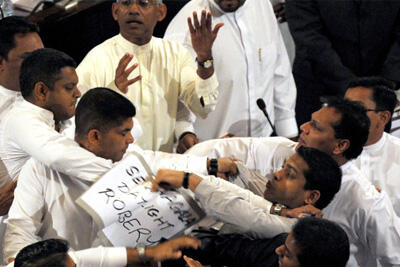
123,205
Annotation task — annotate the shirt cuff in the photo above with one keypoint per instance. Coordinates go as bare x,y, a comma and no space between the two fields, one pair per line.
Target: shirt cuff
183,126
287,128
210,96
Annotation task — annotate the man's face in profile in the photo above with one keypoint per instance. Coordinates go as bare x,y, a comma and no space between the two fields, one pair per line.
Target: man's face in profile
230,5
319,133
287,185
114,142
63,96
288,253
10,67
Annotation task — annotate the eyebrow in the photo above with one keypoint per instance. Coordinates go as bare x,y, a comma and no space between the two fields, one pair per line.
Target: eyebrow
291,167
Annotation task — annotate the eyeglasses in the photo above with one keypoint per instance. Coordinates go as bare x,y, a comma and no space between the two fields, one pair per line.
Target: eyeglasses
140,3
374,110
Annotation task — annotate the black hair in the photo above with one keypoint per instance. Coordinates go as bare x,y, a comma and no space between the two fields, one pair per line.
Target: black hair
42,65
11,26
382,94
323,174
321,243
101,108
352,125
46,253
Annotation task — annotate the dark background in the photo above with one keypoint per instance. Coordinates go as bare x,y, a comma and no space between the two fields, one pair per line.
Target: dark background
77,31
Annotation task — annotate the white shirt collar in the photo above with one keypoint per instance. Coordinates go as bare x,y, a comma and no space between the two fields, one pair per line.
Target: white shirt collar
5,91
377,146
129,46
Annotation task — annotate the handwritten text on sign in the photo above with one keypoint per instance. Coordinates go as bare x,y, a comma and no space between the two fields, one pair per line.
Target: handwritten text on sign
121,202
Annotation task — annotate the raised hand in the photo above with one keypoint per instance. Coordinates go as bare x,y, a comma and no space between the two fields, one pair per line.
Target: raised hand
202,35
122,73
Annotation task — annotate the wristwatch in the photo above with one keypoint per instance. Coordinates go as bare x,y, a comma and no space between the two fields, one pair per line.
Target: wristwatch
206,63
278,208
141,249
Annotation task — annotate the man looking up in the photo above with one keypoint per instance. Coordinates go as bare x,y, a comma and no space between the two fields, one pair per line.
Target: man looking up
153,73
339,128
17,37
309,177
380,158
251,62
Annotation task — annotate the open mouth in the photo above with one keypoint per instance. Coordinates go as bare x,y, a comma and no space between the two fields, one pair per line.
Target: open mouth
134,22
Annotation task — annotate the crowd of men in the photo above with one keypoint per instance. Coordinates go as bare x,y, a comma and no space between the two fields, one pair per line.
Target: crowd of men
324,192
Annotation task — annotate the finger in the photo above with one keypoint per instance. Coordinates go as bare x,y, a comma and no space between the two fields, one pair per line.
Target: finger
124,61
188,241
208,21
203,22
216,29
131,81
196,21
154,186
130,69
191,28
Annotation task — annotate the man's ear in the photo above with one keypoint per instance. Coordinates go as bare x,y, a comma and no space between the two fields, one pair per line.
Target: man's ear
115,11
385,117
94,137
341,146
312,196
40,92
162,12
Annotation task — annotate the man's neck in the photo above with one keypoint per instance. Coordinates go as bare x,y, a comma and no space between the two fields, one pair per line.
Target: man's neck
340,159
8,86
137,40
374,139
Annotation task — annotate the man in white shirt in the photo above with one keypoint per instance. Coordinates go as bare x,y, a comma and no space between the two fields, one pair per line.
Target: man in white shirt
44,204
309,177
56,252
339,128
153,73
251,62
31,128
18,36
380,158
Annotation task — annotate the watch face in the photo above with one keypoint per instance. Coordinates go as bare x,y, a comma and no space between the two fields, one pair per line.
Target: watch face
208,64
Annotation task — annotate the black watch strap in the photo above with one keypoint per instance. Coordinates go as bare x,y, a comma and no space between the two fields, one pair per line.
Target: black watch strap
185,182
213,168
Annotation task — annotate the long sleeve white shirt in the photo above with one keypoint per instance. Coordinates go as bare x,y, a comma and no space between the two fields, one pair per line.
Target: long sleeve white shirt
380,163
368,218
44,207
168,75
265,155
8,98
29,131
44,203
246,212
251,62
